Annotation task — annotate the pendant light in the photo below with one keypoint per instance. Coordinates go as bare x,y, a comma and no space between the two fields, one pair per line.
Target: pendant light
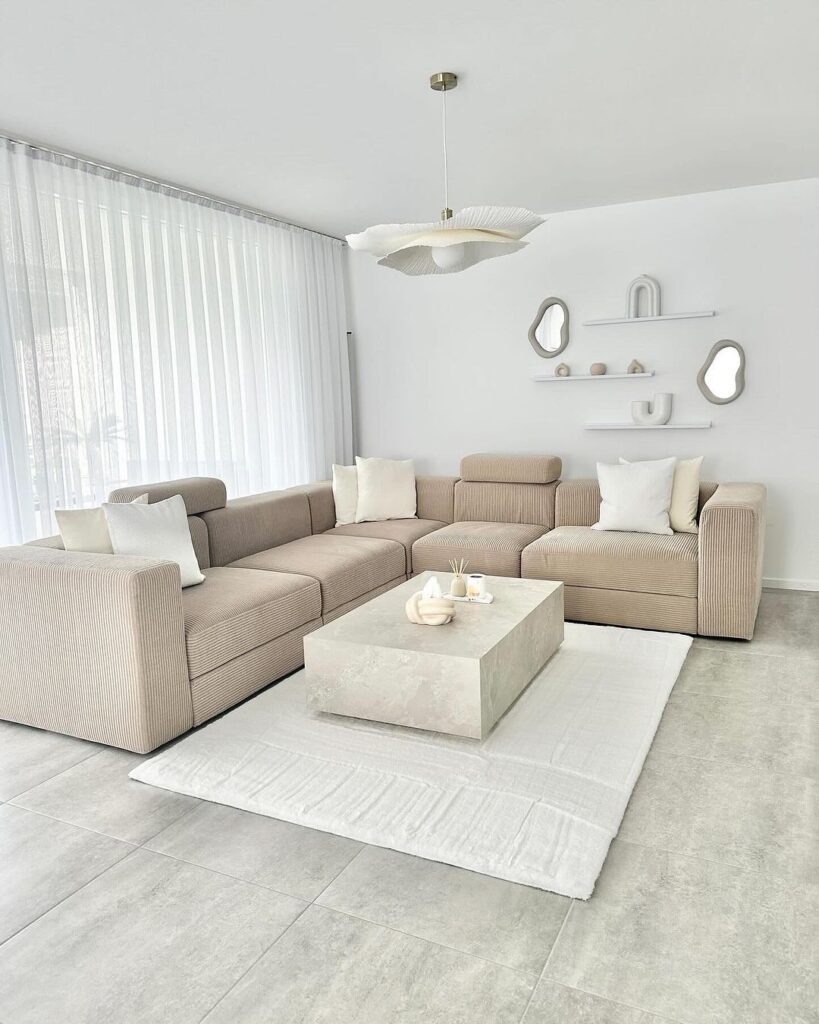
454,242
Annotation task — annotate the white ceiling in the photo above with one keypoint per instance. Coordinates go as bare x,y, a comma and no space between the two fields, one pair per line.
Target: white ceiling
320,111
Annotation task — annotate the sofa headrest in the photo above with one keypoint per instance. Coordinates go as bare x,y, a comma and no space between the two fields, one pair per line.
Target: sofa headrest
510,469
200,493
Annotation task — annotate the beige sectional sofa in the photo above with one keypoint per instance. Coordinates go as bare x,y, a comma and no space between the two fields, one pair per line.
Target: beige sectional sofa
111,649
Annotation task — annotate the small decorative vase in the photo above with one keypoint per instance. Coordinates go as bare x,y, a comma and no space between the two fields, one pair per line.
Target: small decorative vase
597,369
635,367
457,588
655,413
563,370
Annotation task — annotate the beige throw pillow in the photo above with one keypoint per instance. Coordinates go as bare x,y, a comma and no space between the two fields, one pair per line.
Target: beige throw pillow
685,495
345,493
86,529
386,490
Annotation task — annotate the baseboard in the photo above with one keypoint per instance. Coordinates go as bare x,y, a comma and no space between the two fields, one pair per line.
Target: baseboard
775,583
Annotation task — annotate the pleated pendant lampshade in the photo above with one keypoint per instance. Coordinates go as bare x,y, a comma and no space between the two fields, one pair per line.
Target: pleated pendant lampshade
453,243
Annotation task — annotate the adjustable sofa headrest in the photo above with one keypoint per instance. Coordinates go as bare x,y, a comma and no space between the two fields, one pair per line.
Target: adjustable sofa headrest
510,469
200,493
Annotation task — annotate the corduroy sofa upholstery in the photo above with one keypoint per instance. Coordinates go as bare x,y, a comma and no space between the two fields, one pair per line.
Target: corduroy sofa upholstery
111,649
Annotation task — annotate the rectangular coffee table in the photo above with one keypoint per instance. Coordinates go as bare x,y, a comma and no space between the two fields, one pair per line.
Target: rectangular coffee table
459,678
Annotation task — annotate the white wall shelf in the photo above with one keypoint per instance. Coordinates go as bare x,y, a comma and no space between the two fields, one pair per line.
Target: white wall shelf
648,426
648,319
593,376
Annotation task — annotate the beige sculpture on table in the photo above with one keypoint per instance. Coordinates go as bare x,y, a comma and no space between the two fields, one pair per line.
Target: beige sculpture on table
429,611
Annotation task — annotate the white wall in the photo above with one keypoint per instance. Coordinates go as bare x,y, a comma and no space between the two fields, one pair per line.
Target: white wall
444,367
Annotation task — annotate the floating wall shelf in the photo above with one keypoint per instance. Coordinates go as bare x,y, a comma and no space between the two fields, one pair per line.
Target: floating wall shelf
648,319
593,376
648,426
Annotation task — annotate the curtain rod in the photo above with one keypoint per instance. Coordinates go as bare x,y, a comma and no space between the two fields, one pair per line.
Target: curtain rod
183,190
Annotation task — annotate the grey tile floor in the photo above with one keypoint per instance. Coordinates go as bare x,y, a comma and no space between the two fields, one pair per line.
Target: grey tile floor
122,903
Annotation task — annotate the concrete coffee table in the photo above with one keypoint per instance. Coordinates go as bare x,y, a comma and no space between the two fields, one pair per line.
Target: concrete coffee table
460,678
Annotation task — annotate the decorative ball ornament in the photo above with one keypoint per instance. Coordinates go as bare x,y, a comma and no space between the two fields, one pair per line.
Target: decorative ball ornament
454,242
597,369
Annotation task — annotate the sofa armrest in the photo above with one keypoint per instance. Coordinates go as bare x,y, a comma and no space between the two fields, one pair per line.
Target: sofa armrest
436,497
93,646
731,542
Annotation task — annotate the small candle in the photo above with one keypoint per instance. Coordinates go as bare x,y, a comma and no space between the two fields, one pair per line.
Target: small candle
475,585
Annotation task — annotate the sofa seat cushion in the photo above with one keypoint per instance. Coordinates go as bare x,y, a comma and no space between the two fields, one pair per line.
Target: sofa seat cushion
345,567
491,548
405,531
646,563
236,610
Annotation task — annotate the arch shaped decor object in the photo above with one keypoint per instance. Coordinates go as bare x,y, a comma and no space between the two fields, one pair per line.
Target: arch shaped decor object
722,376
655,413
549,335
641,284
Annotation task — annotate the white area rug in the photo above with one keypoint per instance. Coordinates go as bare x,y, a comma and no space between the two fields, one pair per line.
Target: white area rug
538,801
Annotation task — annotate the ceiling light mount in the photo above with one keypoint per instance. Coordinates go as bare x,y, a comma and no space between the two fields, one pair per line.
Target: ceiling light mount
456,241
443,81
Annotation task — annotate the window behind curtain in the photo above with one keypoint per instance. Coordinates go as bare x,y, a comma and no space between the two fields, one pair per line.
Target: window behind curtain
145,336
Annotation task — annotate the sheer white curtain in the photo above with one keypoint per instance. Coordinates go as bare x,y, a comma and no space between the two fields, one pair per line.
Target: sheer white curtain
145,336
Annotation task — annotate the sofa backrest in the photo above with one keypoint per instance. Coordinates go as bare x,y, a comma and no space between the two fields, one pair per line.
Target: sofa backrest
200,494
577,502
507,489
321,503
248,525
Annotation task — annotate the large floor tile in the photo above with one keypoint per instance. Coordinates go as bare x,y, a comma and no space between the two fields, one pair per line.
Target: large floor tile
98,794
152,940
744,816
42,861
699,942
732,674
30,756
332,969
556,1004
787,624
501,921
289,858
774,737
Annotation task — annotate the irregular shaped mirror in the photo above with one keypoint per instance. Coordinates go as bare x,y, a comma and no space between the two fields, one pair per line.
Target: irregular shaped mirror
549,333
722,377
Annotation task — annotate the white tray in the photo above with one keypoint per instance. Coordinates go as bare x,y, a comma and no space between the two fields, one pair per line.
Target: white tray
486,599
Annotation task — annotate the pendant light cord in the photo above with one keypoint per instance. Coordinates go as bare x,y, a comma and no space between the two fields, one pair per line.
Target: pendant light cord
443,132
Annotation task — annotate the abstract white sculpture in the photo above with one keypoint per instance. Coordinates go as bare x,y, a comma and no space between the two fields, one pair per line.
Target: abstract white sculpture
654,413
646,284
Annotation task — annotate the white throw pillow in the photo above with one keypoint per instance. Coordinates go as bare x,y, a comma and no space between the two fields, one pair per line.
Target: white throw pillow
345,493
85,529
685,495
636,496
157,531
386,490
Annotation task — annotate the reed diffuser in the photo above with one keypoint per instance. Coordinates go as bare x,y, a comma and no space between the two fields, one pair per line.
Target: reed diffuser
457,588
